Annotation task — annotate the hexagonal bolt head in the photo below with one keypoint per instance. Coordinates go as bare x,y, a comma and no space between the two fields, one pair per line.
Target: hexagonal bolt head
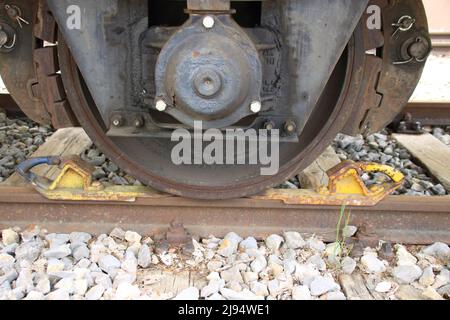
208,22
290,126
117,121
255,106
161,105
138,122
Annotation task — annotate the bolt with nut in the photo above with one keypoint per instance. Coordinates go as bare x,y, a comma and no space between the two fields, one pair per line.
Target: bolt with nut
161,105
208,22
255,106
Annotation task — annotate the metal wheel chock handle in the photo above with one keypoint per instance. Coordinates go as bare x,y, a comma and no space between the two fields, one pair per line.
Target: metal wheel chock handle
25,167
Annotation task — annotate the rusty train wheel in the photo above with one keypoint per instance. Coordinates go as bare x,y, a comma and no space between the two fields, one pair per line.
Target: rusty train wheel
149,161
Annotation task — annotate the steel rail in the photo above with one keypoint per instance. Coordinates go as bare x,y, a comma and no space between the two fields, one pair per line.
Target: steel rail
414,220
429,113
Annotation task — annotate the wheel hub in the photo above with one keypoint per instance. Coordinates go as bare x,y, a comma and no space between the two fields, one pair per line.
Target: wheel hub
210,74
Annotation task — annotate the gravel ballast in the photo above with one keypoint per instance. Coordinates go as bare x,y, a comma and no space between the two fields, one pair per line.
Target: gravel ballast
37,265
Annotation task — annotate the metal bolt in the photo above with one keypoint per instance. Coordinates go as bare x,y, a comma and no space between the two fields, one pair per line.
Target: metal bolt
208,22
161,105
138,122
255,106
117,121
290,126
269,125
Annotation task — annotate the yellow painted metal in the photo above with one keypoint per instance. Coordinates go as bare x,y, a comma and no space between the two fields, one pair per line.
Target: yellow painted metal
345,186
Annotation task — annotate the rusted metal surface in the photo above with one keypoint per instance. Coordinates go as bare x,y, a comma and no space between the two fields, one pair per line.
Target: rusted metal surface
17,68
429,113
388,85
415,220
50,87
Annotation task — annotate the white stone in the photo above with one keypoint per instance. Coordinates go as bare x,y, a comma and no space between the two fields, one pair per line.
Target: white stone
81,252
315,244
259,288
333,249
28,251
117,233
129,264
95,293
34,295
317,261
6,261
259,264
126,291
372,264
438,250
334,295
294,240
132,237
104,280
229,244
248,243
321,285
66,284
306,273
191,293
215,296
273,242
59,294
54,265
166,258
212,288
249,276
442,279
301,293
123,276
76,237
43,285
80,286
25,280
214,265
242,295
57,239
144,256
213,276
428,277
432,294
406,274
108,262
232,274
289,265
383,287
404,258
9,236
348,265
58,252
349,231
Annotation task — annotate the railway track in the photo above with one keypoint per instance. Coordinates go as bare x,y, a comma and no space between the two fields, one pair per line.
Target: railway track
402,219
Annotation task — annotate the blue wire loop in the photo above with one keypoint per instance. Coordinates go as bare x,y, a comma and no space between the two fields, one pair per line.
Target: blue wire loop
24,168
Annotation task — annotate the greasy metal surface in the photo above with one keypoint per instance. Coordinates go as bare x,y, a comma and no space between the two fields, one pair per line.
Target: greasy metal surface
415,220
